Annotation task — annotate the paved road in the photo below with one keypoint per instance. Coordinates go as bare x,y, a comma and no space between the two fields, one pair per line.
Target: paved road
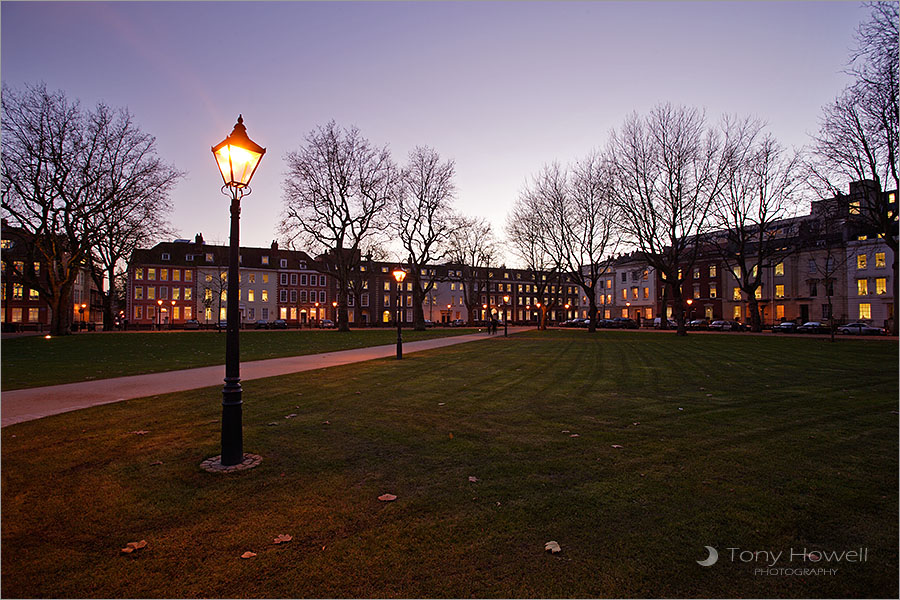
25,405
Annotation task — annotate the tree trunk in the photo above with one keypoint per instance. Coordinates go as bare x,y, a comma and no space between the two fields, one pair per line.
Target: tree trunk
664,316
60,315
418,311
896,286
755,319
678,308
592,306
342,315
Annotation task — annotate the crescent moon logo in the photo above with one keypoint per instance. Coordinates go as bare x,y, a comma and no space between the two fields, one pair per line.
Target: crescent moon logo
711,559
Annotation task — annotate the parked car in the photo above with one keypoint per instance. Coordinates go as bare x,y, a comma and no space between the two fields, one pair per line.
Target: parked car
583,323
570,323
222,325
786,327
624,323
457,323
859,329
428,323
670,323
278,324
698,324
261,324
813,327
606,323
192,324
727,326
326,324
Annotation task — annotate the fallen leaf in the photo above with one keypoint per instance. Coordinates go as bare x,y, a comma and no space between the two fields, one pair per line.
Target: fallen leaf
137,545
708,395
451,436
635,423
272,423
282,538
127,550
290,416
679,408
158,462
141,432
441,403
248,554
358,393
616,446
552,547
574,435
387,497
472,478
326,422
564,431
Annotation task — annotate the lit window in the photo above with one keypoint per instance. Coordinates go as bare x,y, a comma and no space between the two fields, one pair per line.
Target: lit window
223,295
881,286
696,293
34,315
713,290
879,260
646,293
17,291
187,294
176,274
779,311
265,296
779,269
151,274
139,293
387,300
151,292
265,260
37,269
163,274
854,208
625,313
860,261
188,312
634,293
209,257
33,295
624,294
865,311
17,315
779,291
265,278
223,313
712,270
758,293
736,294
387,286
138,312
862,287
251,296
736,313
696,272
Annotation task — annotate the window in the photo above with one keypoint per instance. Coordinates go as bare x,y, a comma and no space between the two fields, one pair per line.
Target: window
736,313
779,311
813,289
151,274
188,292
387,300
284,278
282,295
624,294
881,286
712,270
139,292
387,286
33,294
779,291
302,295
860,261
879,260
166,256
188,275
176,293
223,295
251,295
364,300
696,291
854,207
646,294
625,313
265,278
303,280
265,314
18,290
265,296
265,260
293,279
624,277
713,290
176,274
779,269
176,312
829,287
634,293
17,315
283,263
34,315
865,310
223,313
209,257
648,313
826,311
138,312
862,287
251,278
188,257
696,272
829,264
758,293
736,294
151,292
163,274
163,293
322,297
293,296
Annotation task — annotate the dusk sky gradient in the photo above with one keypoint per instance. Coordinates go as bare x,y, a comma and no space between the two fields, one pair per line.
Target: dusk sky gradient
500,87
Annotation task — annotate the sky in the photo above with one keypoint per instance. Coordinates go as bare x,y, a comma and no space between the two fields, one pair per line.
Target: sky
501,88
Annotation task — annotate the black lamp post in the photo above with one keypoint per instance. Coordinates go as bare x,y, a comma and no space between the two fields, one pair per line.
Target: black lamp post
158,314
334,312
505,315
399,275
237,157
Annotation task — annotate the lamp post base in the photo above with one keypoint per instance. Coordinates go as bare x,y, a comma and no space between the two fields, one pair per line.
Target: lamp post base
214,464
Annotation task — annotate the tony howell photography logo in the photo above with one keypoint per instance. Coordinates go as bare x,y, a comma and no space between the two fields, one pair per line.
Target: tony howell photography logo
793,561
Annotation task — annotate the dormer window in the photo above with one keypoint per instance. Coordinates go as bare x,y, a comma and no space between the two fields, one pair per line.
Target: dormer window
188,257
166,256
283,263
265,260
209,257
302,264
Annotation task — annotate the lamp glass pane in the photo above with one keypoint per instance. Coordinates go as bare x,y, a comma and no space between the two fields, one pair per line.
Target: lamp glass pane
237,164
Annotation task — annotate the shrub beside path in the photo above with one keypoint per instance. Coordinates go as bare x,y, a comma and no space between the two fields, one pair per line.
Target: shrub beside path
18,406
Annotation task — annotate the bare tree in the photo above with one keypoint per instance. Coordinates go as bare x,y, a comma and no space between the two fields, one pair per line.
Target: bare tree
474,249
336,190
758,195
859,135
666,171
422,219
67,176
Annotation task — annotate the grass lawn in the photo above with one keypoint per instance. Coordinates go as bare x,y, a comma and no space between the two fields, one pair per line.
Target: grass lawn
749,442
34,361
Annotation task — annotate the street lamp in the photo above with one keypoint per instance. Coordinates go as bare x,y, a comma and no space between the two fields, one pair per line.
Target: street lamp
317,314
690,302
172,318
399,274
81,310
237,157
158,314
505,315
334,312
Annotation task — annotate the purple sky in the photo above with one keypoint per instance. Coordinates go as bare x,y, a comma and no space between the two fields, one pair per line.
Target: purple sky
500,87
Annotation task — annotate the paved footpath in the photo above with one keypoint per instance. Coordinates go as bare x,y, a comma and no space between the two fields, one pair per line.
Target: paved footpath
34,403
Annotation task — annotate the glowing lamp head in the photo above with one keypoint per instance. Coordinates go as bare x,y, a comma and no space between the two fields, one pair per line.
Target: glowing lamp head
159,302
690,301
238,156
399,274
47,337
505,299
484,306
537,304
567,307
334,304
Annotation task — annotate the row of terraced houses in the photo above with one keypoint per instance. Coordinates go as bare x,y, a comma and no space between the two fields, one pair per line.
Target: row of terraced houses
835,273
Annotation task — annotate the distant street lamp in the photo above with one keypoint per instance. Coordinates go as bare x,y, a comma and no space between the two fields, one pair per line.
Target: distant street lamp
316,318
237,157
399,274
505,315
158,314
81,310
172,318
334,312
